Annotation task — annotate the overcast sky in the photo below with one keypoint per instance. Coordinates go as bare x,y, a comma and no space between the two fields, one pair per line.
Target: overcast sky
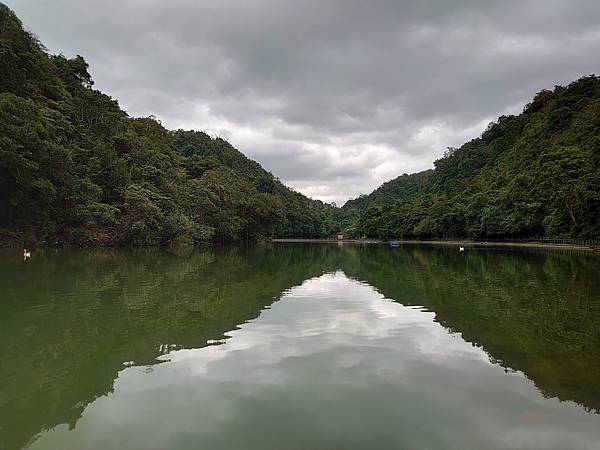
332,96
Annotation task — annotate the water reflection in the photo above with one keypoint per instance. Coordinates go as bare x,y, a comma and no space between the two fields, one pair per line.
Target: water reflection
533,311
69,320
333,364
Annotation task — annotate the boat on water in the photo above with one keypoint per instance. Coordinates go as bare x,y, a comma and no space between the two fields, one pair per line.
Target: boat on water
394,244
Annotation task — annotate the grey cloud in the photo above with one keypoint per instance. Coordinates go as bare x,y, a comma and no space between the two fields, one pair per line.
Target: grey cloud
334,96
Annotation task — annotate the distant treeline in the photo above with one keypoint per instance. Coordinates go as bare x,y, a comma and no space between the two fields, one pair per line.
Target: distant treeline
74,168
532,175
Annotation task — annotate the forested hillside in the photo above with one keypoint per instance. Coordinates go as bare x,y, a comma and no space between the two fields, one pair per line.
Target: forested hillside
75,168
403,187
532,175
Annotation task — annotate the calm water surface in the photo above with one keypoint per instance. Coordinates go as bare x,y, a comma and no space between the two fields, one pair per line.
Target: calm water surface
300,346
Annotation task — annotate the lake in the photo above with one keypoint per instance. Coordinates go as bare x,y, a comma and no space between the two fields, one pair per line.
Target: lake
300,346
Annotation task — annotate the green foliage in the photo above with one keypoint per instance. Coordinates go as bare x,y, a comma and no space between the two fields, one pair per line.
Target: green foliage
75,168
527,176
291,213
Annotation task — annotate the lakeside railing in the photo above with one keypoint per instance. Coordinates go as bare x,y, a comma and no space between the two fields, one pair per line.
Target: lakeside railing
592,243
547,241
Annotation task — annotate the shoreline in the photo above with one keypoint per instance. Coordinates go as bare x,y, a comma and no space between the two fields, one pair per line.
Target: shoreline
460,242
439,242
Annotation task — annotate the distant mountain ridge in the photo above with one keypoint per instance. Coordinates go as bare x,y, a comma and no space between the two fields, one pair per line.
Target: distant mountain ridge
400,188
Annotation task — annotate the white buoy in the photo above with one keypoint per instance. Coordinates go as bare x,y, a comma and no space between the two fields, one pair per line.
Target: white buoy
461,249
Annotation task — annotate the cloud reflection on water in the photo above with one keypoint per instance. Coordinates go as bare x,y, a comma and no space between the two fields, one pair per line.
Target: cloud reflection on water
333,364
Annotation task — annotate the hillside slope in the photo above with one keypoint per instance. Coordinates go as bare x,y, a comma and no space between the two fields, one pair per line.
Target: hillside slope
75,168
532,175
403,187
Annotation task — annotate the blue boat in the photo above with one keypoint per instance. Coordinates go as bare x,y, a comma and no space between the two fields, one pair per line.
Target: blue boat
394,244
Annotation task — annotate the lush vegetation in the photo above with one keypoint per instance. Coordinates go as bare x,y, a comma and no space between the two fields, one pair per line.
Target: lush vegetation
75,168
532,175
402,188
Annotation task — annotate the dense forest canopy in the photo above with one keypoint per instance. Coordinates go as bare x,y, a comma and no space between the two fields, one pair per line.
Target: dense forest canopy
75,168
532,175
